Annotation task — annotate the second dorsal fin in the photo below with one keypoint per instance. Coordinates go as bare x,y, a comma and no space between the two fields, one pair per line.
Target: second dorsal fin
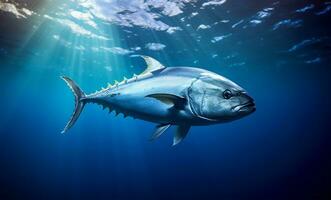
152,65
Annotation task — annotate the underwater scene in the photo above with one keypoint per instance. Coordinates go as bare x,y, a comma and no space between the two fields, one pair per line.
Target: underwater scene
214,99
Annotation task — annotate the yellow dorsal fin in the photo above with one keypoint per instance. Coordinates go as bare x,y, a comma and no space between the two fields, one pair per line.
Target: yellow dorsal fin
152,64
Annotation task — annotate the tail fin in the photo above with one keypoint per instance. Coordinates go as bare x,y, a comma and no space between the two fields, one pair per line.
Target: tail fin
79,104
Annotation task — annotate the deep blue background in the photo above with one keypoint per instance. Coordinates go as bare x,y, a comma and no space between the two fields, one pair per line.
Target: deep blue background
282,151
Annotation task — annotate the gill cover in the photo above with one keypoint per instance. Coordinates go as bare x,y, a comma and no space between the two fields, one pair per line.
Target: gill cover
198,93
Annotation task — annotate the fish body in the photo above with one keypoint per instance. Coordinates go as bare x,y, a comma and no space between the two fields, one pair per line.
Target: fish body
180,96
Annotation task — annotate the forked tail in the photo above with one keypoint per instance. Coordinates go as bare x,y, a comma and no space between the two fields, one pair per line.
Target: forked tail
79,103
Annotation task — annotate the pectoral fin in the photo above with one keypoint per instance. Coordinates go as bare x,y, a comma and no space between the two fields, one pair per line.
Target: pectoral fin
169,99
159,130
180,134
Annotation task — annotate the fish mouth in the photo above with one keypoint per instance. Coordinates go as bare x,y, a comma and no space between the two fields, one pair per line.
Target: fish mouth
246,107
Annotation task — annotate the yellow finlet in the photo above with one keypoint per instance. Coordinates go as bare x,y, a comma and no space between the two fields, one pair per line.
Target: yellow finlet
125,80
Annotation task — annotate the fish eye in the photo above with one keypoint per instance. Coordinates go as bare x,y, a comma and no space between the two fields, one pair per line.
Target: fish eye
227,94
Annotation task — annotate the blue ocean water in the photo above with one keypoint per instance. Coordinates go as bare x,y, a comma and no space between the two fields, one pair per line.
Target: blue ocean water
279,51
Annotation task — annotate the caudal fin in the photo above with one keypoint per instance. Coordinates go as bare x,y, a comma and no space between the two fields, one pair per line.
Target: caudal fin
79,104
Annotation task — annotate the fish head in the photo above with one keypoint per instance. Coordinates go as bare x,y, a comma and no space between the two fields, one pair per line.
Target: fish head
216,98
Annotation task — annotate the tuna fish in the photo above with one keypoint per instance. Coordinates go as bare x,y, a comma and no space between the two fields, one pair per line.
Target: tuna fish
169,96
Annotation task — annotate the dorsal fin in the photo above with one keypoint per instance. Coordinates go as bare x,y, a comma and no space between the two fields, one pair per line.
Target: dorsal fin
152,64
